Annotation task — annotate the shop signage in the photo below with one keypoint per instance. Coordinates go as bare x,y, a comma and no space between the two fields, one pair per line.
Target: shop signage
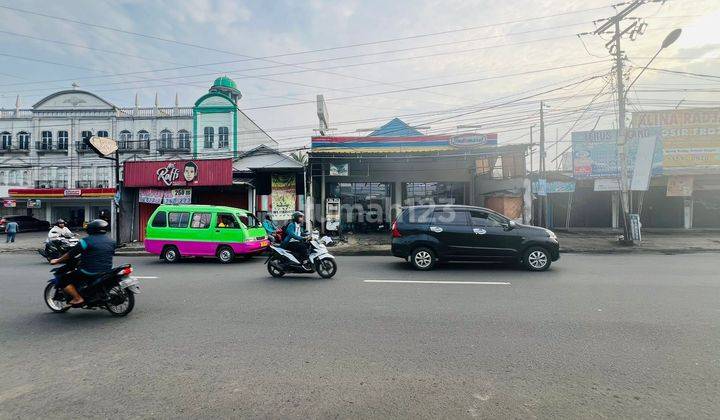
9,203
178,173
339,169
555,187
157,196
690,138
468,140
75,192
34,204
680,186
283,196
635,226
604,184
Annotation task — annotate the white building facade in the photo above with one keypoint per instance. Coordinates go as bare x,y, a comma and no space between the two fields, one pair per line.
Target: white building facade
43,157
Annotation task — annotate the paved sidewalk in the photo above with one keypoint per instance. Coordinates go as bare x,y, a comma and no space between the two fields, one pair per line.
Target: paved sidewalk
598,241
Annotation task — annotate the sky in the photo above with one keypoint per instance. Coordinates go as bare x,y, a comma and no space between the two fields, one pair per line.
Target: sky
439,64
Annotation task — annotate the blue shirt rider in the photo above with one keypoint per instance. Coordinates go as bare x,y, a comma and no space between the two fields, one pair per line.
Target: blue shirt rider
269,225
295,239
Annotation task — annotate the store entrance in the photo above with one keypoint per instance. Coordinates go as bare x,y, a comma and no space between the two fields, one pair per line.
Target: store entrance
74,216
364,206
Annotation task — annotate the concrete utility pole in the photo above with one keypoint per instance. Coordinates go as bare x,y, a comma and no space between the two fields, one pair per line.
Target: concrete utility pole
635,28
541,165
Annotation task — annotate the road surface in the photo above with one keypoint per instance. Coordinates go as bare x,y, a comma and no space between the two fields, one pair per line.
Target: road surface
596,336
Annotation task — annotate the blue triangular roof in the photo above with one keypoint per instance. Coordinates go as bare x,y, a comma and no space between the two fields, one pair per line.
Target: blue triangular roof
395,128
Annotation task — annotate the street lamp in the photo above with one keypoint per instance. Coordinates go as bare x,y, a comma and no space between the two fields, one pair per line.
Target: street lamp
107,148
668,41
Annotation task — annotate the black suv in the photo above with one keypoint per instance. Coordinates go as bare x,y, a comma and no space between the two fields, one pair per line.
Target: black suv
425,234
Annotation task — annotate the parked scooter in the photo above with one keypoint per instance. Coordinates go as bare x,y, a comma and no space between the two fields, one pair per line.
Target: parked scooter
114,291
282,261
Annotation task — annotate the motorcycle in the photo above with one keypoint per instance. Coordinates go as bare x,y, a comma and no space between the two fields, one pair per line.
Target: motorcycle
56,248
282,261
114,290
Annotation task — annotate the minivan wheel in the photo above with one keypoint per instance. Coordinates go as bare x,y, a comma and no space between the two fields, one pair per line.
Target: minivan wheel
225,254
170,254
537,259
423,259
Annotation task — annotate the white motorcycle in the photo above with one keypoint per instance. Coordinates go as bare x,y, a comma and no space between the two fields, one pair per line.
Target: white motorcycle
282,261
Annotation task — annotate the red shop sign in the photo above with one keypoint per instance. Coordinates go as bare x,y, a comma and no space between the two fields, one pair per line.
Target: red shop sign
171,173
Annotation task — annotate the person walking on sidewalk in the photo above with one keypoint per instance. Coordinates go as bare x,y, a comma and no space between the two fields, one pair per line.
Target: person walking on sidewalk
11,229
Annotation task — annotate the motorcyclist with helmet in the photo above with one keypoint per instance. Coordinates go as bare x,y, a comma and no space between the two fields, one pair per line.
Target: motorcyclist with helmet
96,257
296,237
59,231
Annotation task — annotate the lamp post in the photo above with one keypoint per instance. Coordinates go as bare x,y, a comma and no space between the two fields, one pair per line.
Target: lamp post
669,40
107,148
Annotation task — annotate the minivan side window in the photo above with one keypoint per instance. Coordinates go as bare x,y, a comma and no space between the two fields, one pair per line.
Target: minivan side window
416,215
450,217
227,221
160,220
200,220
483,219
178,219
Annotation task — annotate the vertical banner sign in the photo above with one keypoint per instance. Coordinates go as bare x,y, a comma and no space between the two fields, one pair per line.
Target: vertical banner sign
642,157
635,227
283,196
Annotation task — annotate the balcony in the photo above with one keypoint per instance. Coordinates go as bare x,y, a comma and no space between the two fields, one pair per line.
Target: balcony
4,150
43,148
93,184
142,146
50,183
174,149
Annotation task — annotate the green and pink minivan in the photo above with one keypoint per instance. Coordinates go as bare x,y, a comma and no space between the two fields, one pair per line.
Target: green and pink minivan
176,231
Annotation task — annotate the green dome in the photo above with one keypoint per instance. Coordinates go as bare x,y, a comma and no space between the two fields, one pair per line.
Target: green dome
225,82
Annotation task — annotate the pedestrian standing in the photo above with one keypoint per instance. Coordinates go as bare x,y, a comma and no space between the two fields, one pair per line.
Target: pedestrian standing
11,229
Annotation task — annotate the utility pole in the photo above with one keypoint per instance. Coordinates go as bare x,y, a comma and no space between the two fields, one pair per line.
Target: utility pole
543,206
635,28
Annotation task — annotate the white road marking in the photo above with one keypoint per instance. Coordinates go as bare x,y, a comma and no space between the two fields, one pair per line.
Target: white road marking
145,277
438,282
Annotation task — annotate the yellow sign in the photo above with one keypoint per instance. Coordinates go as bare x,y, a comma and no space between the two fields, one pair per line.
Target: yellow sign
691,138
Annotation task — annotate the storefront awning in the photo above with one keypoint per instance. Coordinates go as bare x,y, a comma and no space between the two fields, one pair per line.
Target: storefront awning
73,193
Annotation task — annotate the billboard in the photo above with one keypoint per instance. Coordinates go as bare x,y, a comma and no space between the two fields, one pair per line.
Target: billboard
178,173
690,138
403,144
595,155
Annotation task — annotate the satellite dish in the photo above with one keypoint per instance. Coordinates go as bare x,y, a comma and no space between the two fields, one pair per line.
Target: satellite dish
103,146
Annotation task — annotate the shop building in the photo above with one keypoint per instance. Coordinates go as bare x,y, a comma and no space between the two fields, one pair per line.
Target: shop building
76,206
41,147
359,183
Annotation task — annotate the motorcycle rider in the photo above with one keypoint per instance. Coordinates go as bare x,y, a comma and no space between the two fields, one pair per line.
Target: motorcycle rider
59,231
96,257
296,238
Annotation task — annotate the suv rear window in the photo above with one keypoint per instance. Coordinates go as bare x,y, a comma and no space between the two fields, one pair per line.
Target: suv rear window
160,220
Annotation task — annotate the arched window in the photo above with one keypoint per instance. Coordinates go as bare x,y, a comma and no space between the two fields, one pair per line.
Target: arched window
3,180
143,140
5,140
223,137
166,140
13,177
27,178
183,140
23,140
102,133
62,140
209,135
125,140
46,143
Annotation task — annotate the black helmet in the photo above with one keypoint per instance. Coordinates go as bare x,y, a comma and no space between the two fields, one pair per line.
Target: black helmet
97,227
297,215
60,222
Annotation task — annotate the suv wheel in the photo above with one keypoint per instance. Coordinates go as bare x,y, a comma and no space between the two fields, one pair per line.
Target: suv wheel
423,259
536,259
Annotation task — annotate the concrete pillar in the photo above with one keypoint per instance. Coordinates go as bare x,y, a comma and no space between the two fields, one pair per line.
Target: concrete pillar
48,212
688,213
615,203
398,198
87,212
113,218
322,197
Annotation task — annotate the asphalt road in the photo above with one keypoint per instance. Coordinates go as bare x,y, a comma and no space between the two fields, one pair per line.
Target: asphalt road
594,337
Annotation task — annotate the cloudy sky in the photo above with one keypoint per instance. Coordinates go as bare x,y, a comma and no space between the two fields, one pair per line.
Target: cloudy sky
436,63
